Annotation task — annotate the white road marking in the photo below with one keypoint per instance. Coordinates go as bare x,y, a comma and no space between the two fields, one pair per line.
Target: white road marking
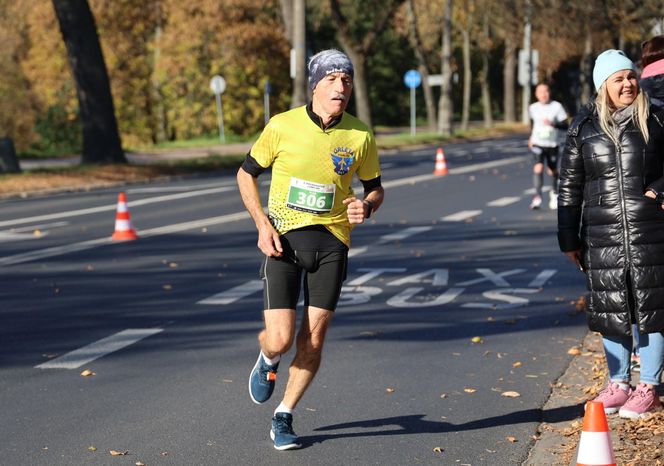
84,245
503,201
399,235
461,216
31,232
357,251
234,294
98,349
531,191
542,278
455,171
94,210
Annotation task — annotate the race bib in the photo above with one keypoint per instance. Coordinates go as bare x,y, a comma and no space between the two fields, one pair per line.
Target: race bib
311,197
546,133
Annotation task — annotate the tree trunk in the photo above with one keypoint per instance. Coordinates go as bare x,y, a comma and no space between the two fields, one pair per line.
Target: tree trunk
156,100
287,16
585,68
445,110
360,88
299,44
101,140
416,43
509,76
467,78
484,74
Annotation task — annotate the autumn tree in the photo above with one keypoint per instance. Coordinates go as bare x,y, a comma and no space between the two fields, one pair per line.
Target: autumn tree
445,109
101,140
358,25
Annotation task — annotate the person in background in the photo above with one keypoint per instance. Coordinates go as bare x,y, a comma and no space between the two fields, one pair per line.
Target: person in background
547,118
652,76
611,226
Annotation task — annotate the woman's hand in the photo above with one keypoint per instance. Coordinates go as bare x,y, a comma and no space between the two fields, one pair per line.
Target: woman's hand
575,257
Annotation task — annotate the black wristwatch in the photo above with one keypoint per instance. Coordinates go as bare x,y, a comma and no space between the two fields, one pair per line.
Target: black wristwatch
370,204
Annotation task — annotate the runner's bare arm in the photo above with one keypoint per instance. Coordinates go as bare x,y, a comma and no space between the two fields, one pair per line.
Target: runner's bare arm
268,238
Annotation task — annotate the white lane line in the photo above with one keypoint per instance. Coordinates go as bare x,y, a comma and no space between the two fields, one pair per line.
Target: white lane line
455,171
532,190
235,293
542,278
357,251
94,210
461,216
98,349
399,235
503,201
31,232
84,245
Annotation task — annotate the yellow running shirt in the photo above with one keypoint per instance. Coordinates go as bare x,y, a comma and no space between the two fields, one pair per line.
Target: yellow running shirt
312,169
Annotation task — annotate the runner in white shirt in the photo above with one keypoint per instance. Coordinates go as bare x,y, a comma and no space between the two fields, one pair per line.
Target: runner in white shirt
548,118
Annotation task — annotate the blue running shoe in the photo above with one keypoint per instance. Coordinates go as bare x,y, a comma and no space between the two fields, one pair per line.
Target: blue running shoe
261,380
282,432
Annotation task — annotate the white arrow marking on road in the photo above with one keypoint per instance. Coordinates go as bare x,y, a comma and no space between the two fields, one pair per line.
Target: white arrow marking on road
503,201
235,293
461,216
542,278
98,349
399,235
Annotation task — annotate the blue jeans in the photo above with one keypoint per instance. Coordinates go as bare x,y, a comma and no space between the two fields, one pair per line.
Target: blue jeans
619,350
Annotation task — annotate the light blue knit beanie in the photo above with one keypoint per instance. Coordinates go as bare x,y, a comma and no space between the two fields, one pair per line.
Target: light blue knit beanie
607,63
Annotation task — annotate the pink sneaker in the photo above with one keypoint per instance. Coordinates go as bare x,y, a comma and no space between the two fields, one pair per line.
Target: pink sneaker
613,397
643,401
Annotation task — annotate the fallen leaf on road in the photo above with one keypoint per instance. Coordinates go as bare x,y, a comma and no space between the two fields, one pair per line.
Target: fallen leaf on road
92,448
469,390
389,390
511,394
118,453
517,364
139,463
88,373
443,395
227,381
574,351
173,265
476,339
168,287
511,439
438,450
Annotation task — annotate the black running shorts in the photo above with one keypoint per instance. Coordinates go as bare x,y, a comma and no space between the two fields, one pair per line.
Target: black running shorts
547,155
324,273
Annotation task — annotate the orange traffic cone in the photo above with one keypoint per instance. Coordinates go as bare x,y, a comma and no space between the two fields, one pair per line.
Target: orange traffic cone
123,229
441,164
595,444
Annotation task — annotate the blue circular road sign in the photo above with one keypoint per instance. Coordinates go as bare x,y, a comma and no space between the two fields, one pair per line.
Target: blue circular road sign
412,78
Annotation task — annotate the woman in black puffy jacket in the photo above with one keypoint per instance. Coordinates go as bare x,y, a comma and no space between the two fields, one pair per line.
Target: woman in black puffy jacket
611,225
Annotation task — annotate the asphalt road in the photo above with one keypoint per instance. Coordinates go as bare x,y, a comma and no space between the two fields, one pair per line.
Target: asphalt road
168,323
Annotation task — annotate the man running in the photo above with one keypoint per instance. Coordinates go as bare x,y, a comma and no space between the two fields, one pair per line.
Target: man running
547,117
313,151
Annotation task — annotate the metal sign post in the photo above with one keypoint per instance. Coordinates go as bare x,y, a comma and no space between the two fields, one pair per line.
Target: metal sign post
412,79
218,86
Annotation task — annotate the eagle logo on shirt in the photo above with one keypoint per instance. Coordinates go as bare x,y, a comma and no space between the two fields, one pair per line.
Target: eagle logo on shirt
343,158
